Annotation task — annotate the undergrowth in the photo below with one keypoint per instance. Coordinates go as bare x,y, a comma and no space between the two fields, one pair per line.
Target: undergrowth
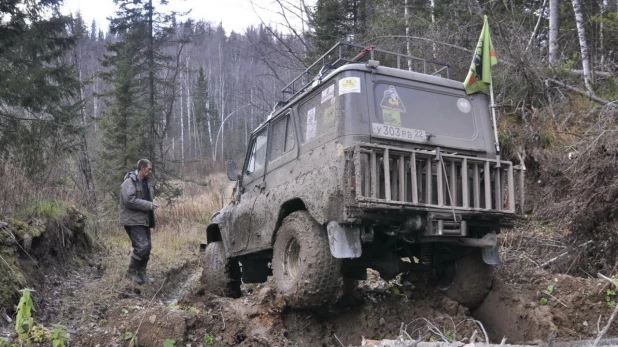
570,150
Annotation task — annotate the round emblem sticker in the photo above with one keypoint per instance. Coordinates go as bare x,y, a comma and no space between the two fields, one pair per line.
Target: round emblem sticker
464,105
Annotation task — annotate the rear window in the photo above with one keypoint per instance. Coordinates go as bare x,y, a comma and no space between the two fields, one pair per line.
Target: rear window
435,113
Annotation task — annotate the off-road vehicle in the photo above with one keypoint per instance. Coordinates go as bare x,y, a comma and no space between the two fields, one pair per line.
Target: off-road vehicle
365,166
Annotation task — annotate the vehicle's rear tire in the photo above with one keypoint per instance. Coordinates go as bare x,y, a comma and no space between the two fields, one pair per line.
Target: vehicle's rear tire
220,276
306,274
471,280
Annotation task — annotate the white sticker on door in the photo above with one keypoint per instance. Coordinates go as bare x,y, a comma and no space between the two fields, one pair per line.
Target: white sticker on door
328,93
311,125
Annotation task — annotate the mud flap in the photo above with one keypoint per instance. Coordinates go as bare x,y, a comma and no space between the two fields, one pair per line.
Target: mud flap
491,255
343,240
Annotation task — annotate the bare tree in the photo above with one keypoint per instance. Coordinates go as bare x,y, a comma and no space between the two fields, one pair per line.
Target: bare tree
553,31
581,33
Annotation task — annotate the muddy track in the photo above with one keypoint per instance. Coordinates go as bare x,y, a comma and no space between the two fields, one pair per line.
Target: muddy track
379,310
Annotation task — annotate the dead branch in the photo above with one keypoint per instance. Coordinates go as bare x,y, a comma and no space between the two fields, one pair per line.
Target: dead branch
339,340
559,301
611,318
552,260
6,317
222,318
426,40
598,73
584,93
536,27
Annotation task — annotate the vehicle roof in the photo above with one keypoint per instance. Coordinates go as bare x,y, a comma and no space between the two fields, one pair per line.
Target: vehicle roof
381,70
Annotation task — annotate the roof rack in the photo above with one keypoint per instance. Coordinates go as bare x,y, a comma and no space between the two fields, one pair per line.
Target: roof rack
336,57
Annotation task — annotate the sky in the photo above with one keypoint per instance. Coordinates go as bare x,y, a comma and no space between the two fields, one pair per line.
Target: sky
235,15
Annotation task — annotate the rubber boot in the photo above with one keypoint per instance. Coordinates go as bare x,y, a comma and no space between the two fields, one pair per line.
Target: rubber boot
133,271
142,272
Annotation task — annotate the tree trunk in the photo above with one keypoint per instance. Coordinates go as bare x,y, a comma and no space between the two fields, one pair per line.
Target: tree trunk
209,117
601,33
581,33
407,17
553,32
432,4
182,125
84,156
536,27
151,79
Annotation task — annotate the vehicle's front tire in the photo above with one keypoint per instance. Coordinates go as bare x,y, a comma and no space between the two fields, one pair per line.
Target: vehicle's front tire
220,276
470,280
306,274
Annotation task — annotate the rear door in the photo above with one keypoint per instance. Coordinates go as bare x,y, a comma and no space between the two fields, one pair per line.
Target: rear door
429,114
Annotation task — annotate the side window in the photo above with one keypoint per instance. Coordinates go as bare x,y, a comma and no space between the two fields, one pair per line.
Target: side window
290,138
283,137
258,153
318,114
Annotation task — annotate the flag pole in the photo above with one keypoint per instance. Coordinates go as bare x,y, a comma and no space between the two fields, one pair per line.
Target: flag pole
493,116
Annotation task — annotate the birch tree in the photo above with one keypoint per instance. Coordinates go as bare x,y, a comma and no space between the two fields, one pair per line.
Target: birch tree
581,34
553,32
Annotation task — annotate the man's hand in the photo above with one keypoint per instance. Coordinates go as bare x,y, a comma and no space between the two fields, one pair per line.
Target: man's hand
154,206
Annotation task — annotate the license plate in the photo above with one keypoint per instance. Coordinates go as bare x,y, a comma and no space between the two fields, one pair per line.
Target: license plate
398,133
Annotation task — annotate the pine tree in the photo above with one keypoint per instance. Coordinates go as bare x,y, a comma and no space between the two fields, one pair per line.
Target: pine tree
339,20
93,31
140,103
37,87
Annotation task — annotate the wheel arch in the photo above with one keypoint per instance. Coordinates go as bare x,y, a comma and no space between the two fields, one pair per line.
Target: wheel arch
285,210
213,233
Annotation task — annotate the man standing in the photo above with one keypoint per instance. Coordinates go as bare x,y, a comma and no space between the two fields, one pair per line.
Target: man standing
137,216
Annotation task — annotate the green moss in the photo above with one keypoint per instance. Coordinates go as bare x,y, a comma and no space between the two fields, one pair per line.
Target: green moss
12,278
33,221
48,210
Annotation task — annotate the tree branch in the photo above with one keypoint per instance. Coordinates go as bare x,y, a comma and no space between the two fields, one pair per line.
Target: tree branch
426,40
611,318
584,93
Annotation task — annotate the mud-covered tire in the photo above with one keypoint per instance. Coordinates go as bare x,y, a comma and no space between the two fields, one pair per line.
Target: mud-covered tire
471,282
220,276
305,272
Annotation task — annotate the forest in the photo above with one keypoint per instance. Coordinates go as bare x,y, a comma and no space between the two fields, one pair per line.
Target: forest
81,103
84,102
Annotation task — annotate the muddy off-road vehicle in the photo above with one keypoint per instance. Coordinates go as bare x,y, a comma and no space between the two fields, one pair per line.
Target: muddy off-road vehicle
365,166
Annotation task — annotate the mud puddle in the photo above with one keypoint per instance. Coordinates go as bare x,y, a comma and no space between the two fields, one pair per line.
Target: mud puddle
181,287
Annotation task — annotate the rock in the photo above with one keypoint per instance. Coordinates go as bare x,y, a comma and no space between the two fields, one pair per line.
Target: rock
152,319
